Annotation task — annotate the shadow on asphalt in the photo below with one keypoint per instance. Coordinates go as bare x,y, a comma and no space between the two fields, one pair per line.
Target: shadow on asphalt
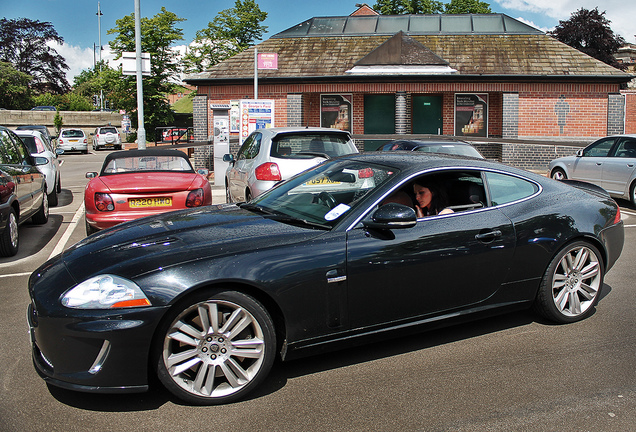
283,371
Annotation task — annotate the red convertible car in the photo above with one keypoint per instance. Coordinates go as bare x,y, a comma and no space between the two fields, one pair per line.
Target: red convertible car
138,183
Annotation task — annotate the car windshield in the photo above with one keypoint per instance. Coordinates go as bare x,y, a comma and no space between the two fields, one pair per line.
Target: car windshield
73,133
147,163
454,149
322,195
309,145
105,130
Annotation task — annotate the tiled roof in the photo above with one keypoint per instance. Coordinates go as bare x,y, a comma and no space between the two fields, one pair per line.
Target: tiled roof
486,55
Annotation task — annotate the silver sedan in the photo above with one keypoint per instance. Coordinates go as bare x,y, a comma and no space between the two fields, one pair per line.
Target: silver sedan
609,163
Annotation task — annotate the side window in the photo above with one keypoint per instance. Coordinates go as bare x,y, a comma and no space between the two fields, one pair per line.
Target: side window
4,138
253,149
626,148
242,153
505,188
11,152
21,150
600,148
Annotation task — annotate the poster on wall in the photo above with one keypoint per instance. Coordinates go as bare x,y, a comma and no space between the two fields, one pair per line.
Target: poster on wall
235,116
335,111
471,115
255,114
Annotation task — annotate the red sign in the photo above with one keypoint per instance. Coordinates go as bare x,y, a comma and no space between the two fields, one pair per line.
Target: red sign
267,60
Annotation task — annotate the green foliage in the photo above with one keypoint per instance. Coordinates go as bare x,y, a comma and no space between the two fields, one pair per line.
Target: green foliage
57,122
400,7
14,88
589,31
158,34
24,44
467,6
232,31
184,105
67,102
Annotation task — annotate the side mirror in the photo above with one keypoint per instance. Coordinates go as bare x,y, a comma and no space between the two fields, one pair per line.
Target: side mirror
228,158
90,175
579,153
39,161
203,171
59,151
392,216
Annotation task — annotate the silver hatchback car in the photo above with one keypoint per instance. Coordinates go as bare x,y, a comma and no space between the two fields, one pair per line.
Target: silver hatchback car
270,155
609,163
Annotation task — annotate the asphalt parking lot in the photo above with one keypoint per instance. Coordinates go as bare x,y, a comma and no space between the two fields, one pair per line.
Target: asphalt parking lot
513,372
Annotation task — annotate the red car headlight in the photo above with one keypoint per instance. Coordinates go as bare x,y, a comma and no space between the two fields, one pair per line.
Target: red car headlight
104,202
195,198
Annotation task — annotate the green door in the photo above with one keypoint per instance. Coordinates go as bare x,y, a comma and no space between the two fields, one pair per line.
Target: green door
427,115
379,118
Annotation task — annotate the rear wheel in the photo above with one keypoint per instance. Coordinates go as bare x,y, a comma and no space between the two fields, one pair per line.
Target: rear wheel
9,239
558,174
572,284
42,216
632,194
228,197
52,197
215,347
89,228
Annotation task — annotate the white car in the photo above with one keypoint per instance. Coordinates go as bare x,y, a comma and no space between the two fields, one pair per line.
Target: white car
609,162
270,155
39,147
106,136
73,140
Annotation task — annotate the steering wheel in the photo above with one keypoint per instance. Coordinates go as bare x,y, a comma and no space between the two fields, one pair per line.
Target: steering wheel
327,199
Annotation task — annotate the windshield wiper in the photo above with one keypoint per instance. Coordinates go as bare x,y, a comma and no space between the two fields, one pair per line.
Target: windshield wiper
255,207
281,217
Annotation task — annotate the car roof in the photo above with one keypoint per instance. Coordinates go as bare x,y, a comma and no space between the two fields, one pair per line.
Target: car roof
280,130
141,153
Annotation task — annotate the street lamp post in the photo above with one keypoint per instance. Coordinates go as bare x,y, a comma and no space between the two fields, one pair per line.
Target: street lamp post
99,29
141,131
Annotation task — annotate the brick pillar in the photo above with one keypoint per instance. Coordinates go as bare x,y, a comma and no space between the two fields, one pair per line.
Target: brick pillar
401,113
295,110
510,127
615,114
203,156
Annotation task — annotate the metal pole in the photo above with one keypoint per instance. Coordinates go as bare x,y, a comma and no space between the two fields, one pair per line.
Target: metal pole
99,29
141,131
255,73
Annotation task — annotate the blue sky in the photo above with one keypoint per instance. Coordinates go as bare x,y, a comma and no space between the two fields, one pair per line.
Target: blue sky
76,20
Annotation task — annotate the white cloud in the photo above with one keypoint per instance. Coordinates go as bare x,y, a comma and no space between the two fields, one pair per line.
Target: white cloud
78,58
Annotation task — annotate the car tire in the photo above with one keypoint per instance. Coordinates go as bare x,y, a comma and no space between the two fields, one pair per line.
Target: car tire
248,196
558,174
42,216
228,197
9,240
197,352
58,186
89,228
572,283
632,194
52,198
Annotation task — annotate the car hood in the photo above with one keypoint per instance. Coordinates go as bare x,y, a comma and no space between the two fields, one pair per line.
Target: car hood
147,182
147,244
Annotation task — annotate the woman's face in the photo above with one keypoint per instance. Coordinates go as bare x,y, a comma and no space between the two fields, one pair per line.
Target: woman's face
423,195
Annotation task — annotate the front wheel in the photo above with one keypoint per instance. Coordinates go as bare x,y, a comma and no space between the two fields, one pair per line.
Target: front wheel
9,239
572,284
42,216
558,174
215,347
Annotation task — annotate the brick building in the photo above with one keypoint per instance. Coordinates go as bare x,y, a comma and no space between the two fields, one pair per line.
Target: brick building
476,76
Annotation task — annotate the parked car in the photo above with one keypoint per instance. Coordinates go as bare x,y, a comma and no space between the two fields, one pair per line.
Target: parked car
41,128
434,145
106,137
44,108
206,298
609,163
22,191
268,156
137,183
38,147
73,140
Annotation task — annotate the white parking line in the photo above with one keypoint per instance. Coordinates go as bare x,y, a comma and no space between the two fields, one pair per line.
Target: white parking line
15,275
59,247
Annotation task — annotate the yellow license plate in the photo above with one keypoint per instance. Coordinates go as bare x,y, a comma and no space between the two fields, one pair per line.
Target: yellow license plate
321,181
150,202
73,140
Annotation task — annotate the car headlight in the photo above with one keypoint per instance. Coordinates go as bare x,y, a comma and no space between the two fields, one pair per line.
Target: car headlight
105,292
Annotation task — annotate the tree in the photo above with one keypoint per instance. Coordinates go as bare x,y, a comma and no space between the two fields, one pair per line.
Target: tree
467,6
14,88
232,31
158,34
23,43
589,31
399,7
